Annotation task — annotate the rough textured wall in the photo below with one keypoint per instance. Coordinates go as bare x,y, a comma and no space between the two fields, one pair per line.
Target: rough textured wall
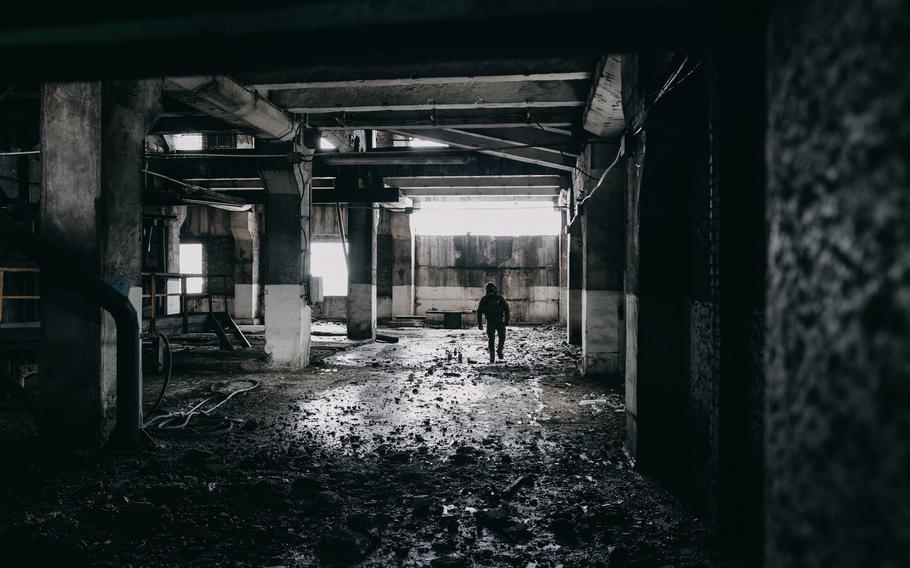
452,271
325,223
331,308
838,414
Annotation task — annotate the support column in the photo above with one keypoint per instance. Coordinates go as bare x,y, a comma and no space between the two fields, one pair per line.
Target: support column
245,229
403,269
93,151
174,286
576,272
385,264
602,231
563,274
362,226
287,228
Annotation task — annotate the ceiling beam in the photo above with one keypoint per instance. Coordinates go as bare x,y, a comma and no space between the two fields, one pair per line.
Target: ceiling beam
551,199
603,114
480,191
476,181
391,158
552,118
467,140
227,184
214,168
528,136
518,94
414,81
392,70
194,124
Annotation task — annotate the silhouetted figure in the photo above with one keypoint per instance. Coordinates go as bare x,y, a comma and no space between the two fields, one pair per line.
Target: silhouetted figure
496,309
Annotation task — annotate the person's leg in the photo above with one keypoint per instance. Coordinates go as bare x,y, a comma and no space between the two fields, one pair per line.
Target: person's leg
502,339
491,339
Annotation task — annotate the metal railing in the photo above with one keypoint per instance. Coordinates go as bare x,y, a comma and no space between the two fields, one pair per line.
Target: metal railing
3,296
64,268
154,295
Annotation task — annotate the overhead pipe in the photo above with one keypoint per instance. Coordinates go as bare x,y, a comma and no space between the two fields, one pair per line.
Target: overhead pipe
218,96
54,261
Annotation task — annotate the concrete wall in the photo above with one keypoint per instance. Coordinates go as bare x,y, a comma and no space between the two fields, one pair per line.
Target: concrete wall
838,361
451,272
332,308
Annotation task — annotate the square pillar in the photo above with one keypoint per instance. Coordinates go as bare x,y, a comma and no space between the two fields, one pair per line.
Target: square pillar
385,264
362,226
245,229
287,228
602,231
575,285
403,267
93,151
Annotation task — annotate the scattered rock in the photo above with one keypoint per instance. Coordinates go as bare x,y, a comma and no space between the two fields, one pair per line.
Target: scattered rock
449,561
308,485
329,501
343,546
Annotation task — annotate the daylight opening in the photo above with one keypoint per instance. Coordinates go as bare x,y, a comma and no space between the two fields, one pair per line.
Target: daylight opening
191,263
185,142
327,261
496,218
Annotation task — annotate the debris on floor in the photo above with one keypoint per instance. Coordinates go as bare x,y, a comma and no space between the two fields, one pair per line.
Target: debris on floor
380,455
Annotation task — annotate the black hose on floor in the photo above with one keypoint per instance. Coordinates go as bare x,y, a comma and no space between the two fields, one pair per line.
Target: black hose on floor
167,377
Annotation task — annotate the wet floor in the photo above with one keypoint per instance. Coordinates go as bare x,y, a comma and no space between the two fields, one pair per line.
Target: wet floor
379,455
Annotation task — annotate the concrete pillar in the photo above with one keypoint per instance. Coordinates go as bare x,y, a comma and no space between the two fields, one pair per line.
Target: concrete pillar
245,229
403,268
563,274
93,151
602,232
385,264
173,256
575,285
287,227
362,225
838,296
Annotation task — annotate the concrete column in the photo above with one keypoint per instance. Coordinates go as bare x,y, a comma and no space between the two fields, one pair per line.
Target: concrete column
385,264
93,151
287,227
403,269
602,231
173,256
362,225
563,274
575,285
245,229
838,297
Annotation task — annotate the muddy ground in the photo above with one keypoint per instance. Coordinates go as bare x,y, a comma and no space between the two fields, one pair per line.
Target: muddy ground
378,455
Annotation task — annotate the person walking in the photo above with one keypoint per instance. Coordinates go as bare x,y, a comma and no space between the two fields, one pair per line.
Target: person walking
496,310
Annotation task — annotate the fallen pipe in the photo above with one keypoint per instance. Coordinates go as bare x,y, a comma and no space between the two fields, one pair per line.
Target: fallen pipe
53,261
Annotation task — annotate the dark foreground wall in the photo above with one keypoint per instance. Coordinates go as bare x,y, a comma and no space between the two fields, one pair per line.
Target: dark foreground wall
838,418
452,272
694,281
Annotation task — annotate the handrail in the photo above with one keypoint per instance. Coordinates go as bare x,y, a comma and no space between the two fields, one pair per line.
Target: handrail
154,295
4,296
129,384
